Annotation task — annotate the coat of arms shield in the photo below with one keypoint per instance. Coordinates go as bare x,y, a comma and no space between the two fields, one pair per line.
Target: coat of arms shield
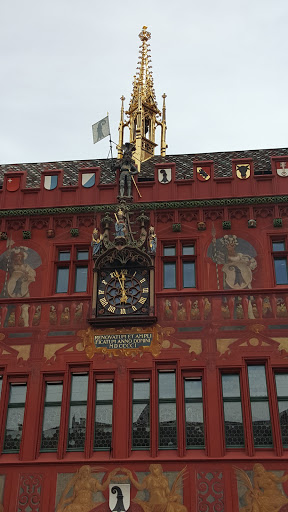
119,497
243,171
282,169
164,176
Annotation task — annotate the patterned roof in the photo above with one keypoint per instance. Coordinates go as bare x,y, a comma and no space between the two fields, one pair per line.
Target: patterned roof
184,165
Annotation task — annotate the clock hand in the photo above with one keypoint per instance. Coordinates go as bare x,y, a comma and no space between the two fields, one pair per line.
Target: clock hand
124,297
121,284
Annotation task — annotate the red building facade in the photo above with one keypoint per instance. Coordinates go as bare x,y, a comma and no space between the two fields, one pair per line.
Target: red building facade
181,392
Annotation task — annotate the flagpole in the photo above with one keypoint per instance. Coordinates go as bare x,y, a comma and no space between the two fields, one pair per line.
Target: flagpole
110,140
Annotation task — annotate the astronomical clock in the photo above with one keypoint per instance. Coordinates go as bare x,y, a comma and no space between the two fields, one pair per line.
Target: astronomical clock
123,291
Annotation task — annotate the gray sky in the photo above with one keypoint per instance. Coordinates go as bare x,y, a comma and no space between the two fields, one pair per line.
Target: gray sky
65,63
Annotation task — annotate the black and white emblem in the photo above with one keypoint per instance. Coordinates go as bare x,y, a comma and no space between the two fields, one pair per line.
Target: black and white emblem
119,497
164,176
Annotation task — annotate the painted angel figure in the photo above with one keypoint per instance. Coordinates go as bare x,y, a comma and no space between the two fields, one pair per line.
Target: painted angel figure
263,494
161,497
83,486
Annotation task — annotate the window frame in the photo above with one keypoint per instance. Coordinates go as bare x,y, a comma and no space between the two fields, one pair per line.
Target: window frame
72,265
52,379
194,375
179,259
277,255
5,396
141,377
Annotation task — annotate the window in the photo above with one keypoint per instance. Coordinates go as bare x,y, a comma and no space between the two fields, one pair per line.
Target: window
280,254
259,402
233,420
103,415
281,380
51,416
167,410
140,414
179,266
78,412
72,270
15,417
194,423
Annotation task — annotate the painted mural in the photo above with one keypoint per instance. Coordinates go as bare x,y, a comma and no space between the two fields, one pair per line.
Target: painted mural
18,264
235,261
87,490
261,491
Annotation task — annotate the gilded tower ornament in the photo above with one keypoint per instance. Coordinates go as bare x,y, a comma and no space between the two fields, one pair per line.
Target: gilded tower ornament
143,115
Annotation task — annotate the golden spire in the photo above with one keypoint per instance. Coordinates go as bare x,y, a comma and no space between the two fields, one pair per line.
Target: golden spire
143,114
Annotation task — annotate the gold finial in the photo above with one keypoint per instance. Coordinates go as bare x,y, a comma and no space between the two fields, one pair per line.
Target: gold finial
143,115
144,35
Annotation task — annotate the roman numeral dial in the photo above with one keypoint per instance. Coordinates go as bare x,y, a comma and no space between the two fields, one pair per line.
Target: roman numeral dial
123,291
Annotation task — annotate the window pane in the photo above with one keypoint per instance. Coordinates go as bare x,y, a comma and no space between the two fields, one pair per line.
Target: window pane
104,390
82,255
188,250
283,415
281,275
169,251
193,388
167,387
278,246
62,280
51,427
141,390
103,426
282,384
194,425
231,386
64,256
234,433
53,392
261,424
77,427
141,426
17,394
188,274
169,275
167,426
81,279
14,427
257,381
79,388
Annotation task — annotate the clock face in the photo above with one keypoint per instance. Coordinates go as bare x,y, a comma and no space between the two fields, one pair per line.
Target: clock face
123,292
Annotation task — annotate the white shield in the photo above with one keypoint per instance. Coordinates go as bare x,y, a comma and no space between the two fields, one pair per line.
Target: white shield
164,176
50,182
88,179
119,497
283,171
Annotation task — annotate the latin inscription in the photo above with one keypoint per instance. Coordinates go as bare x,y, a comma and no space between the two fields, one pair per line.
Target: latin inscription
114,341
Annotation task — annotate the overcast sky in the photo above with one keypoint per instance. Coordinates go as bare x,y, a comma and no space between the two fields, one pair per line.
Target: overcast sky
65,63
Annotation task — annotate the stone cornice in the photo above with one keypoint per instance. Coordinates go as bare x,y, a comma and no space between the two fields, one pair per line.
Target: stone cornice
203,203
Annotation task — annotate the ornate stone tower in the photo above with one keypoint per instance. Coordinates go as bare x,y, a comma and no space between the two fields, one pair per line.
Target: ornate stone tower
143,115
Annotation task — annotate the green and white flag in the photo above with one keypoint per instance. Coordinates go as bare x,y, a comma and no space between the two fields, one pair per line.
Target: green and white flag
101,129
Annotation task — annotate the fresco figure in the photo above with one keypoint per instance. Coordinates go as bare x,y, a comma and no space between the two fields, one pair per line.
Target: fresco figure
263,494
19,265
161,497
84,485
237,258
